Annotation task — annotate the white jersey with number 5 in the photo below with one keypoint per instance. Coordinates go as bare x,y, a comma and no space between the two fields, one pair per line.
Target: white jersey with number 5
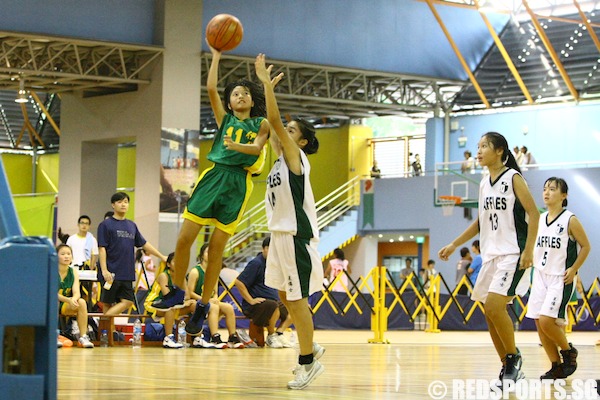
289,200
502,218
554,250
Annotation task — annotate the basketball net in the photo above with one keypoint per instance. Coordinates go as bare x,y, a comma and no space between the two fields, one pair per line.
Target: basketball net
447,208
448,203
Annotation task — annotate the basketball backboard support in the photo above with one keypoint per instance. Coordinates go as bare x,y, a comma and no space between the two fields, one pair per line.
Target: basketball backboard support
449,181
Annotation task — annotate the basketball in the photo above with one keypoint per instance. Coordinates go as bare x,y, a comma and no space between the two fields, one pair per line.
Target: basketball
224,32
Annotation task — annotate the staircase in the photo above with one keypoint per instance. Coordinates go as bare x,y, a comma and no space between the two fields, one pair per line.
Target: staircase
341,230
338,209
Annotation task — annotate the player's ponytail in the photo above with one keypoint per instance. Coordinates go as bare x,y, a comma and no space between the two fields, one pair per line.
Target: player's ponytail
308,133
499,142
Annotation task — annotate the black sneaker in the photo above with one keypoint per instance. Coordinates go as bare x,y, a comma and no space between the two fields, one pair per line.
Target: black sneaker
217,342
556,372
501,374
194,325
569,357
512,371
234,342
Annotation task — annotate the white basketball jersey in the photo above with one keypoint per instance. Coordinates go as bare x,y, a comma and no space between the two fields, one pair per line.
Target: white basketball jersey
554,250
502,218
289,200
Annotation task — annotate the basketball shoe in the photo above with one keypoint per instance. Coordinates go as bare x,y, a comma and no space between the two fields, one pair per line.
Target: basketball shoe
305,374
569,357
194,325
169,342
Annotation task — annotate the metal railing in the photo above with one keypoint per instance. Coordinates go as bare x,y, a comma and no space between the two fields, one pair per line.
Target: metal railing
254,223
336,203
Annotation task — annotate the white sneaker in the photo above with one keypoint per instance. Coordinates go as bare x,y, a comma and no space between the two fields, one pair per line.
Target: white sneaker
273,341
59,343
305,374
318,350
284,341
84,341
169,342
201,343
74,328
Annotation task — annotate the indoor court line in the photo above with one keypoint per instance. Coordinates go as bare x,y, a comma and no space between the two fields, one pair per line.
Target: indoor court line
354,369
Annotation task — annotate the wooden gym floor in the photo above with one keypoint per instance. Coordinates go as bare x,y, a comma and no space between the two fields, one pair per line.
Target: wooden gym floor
355,369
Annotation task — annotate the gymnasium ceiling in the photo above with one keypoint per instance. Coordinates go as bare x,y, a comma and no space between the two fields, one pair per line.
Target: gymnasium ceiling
440,56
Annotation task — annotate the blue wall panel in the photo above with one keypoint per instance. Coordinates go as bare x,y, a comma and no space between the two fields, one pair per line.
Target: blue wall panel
381,35
130,21
561,133
407,205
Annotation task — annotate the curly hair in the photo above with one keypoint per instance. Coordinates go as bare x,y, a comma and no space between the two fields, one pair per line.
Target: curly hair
259,109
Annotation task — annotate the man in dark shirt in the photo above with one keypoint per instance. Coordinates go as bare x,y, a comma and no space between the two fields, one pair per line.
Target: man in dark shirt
261,303
117,239
462,269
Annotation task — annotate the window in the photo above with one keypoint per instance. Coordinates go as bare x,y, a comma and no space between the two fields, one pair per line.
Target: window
393,155
395,264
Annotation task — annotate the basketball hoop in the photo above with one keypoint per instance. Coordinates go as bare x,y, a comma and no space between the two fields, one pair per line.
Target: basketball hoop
448,203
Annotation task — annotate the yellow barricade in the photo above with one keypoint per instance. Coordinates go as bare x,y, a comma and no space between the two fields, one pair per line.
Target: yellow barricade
427,299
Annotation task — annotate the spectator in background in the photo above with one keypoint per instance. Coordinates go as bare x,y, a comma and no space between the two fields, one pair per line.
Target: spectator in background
117,239
416,166
462,269
527,158
407,270
468,166
427,274
218,309
518,155
475,266
84,245
154,302
261,303
375,171
335,267
70,301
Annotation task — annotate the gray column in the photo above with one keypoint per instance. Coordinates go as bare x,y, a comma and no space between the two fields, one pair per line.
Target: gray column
90,126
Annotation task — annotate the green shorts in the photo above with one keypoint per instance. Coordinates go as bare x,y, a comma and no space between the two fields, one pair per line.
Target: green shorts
220,197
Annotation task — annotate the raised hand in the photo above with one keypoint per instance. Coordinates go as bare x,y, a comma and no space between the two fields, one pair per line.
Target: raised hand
262,72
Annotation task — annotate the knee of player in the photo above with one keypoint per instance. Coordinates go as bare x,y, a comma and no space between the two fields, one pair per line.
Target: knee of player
226,308
547,323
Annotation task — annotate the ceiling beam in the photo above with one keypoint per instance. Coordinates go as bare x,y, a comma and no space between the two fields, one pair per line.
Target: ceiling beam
552,52
588,25
324,90
507,59
46,113
82,62
464,64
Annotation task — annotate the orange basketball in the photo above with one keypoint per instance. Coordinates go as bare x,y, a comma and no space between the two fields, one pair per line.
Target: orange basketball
224,32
